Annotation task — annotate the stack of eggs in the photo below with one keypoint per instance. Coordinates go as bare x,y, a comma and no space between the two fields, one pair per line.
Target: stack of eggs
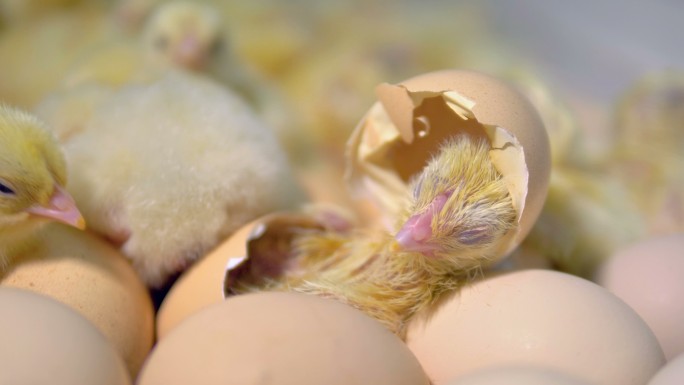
508,326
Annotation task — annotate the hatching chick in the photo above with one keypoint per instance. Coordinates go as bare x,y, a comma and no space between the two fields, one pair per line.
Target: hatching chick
32,176
459,211
170,168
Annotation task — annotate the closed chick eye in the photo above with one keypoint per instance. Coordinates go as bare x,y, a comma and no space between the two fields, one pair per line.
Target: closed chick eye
6,190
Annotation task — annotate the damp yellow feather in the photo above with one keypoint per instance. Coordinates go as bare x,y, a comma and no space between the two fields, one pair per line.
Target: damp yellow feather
370,271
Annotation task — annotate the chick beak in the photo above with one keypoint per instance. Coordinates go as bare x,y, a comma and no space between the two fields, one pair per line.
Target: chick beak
61,208
415,235
190,53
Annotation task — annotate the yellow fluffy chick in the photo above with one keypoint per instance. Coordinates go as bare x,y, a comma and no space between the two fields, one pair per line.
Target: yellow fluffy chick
178,34
168,169
32,176
459,211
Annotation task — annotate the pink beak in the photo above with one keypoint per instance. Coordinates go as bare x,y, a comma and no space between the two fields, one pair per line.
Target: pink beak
60,208
190,53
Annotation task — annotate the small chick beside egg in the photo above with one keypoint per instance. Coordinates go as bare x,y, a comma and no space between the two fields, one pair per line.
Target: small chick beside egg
179,34
168,169
460,210
32,178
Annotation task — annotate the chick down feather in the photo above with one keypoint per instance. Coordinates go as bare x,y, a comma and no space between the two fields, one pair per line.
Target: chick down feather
168,169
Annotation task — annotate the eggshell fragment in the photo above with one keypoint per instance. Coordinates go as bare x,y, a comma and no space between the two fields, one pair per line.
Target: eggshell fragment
537,317
281,338
649,276
46,342
516,375
400,132
670,374
204,283
87,274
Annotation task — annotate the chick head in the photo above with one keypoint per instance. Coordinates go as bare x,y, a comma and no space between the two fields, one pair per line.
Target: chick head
32,172
460,204
183,34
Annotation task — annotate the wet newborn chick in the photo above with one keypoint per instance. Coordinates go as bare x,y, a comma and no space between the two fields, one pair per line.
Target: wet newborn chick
32,176
459,211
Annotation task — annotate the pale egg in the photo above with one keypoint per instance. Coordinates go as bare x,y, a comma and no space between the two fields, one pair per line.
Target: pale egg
89,275
537,317
670,374
414,117
516,375
46,342
649,276
281,338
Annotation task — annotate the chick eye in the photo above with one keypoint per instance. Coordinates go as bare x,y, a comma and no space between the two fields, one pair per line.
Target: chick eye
217,45
161,43
6,190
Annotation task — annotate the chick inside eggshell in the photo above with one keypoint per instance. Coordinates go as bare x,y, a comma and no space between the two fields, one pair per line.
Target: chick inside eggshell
412,119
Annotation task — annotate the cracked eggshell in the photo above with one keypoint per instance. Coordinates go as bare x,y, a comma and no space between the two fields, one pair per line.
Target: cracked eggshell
204,283
399,133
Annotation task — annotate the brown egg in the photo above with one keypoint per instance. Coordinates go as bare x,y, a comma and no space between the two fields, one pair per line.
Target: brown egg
281,338
46,342
537,317
87,274
649,276
412,118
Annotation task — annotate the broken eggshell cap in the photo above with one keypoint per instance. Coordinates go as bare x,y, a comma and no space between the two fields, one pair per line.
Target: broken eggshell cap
406,127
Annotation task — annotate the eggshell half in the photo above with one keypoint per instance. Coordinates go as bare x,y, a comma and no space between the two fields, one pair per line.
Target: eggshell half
202,284
537,317
87,274
281,338
399,133
46,342
649,276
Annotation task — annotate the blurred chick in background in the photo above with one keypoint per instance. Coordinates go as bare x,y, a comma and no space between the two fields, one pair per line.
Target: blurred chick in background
459,211
178,34
588,213
32,178
648,153
169,168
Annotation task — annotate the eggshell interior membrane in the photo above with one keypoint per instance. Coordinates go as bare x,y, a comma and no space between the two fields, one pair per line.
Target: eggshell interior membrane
399,134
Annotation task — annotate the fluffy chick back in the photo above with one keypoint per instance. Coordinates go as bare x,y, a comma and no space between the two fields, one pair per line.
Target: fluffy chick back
169,169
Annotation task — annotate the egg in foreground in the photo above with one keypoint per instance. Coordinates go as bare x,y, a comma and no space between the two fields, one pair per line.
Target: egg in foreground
281,338
46,342
87,274
537,317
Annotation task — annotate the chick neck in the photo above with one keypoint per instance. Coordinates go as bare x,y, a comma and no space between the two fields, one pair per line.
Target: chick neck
16,238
